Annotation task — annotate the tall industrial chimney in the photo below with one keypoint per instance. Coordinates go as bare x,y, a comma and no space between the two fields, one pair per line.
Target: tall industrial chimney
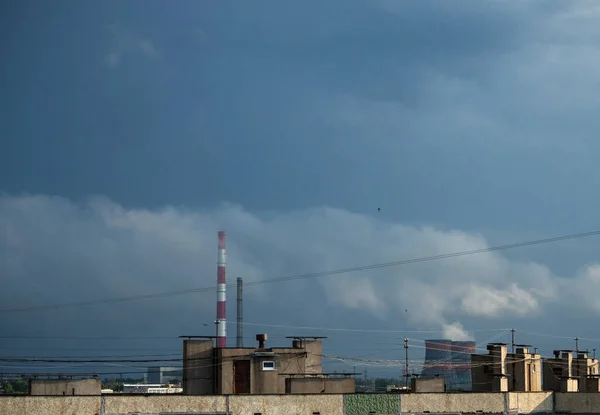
221,293
240,334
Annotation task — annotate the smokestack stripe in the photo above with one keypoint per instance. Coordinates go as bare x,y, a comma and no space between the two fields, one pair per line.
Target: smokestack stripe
221,293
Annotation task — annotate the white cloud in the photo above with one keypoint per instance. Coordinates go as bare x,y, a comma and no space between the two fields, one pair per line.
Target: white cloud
56,251
456,331
493,303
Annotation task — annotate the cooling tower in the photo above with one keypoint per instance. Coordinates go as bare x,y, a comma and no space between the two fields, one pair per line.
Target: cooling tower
461,363
450,359
438,358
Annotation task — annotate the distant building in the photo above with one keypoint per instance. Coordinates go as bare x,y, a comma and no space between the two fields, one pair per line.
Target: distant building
151,388
164,375
259,370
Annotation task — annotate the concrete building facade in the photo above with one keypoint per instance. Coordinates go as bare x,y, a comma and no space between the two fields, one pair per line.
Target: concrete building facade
524,370
488,371
258,370
570,371
500,371
64,387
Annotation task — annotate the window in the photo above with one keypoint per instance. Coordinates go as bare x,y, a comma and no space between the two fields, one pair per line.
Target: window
268,365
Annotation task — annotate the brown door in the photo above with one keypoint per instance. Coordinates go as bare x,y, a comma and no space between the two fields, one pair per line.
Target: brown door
241,376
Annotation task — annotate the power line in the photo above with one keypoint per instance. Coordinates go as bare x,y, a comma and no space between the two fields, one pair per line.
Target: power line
311,275
106,337
360,331
89,338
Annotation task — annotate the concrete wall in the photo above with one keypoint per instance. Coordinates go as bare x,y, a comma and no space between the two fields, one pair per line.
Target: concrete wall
288,361
524,371
64,387
267,382
530,402
482,368
314,349
226,357
363,404
287,404
50,405
325,404
577,403
592,385
453,402
117,405
320,385
198,368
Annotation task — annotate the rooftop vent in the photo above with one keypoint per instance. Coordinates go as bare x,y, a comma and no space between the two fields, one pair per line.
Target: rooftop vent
261,339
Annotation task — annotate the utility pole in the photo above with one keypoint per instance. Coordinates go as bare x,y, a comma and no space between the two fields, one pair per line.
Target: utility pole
577,344
406,363
512,342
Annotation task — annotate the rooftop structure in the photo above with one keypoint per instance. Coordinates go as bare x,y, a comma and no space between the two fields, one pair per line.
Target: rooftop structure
259,370
500,371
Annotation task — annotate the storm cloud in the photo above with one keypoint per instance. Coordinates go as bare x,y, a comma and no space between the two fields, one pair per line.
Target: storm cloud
57,252
468,124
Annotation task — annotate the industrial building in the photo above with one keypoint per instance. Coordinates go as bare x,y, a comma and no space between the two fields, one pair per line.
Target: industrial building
151,388
210,370
164,375
450,360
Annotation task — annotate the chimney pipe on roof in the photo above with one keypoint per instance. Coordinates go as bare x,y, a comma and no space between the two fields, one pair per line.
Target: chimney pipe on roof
240,336
261,338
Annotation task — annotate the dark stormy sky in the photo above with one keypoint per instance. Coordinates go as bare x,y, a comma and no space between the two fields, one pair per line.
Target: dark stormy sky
130,132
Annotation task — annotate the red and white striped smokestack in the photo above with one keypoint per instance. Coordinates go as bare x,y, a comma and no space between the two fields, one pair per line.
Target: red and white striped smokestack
221,293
